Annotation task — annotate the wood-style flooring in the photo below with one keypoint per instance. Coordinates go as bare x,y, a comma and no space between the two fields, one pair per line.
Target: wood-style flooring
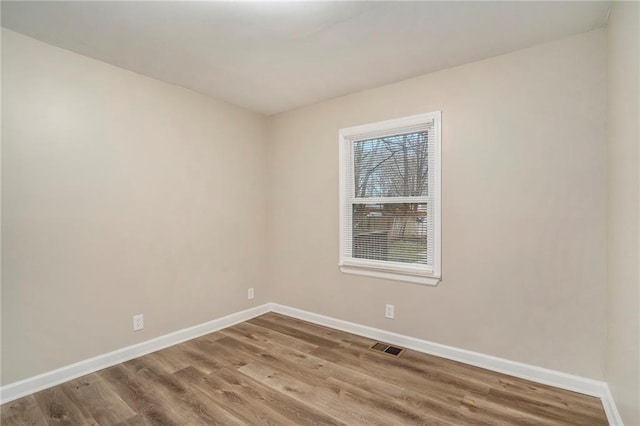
282,371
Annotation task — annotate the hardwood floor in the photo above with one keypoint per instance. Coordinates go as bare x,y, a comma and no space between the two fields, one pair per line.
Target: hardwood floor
282,371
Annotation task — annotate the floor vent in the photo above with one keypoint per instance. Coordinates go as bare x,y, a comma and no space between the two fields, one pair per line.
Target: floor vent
387,349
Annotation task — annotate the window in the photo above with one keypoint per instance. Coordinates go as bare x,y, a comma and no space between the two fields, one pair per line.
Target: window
390,199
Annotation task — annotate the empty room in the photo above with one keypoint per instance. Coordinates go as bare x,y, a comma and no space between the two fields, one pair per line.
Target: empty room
320,213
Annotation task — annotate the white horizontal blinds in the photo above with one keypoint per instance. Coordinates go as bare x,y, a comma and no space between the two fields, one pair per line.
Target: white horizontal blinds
389,182
391,232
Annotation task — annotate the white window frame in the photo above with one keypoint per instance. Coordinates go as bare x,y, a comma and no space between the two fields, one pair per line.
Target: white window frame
408,272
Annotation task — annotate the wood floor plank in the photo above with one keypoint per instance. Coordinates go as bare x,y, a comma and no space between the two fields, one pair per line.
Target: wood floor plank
137,396
311,371
253,331
178,401
233,396
502,385
559,414
58,409
292,331
361,356
23,411
507,414
296,359
97,400
136,420
248,353
336,336
400,370
556,399
394,411
507,384
174,359
362,380
167,359
395,374
322,397
231,399
277,370
419,393
298,413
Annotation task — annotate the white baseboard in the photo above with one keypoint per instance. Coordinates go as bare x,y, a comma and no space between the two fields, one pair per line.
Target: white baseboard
558,379
613,415
46,380
525,371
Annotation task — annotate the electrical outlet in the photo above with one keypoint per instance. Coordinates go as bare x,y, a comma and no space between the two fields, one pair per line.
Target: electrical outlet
138,322
250,293
390,311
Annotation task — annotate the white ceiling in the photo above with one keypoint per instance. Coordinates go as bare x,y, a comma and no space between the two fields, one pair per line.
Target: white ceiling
274,56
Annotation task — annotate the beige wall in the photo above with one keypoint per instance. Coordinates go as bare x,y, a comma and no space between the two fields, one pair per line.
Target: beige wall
121,195
623,337
524,208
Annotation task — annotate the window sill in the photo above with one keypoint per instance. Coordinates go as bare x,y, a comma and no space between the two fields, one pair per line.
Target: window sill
395,276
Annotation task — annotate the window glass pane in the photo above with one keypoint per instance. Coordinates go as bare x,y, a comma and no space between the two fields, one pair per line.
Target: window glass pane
394,166
394,232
